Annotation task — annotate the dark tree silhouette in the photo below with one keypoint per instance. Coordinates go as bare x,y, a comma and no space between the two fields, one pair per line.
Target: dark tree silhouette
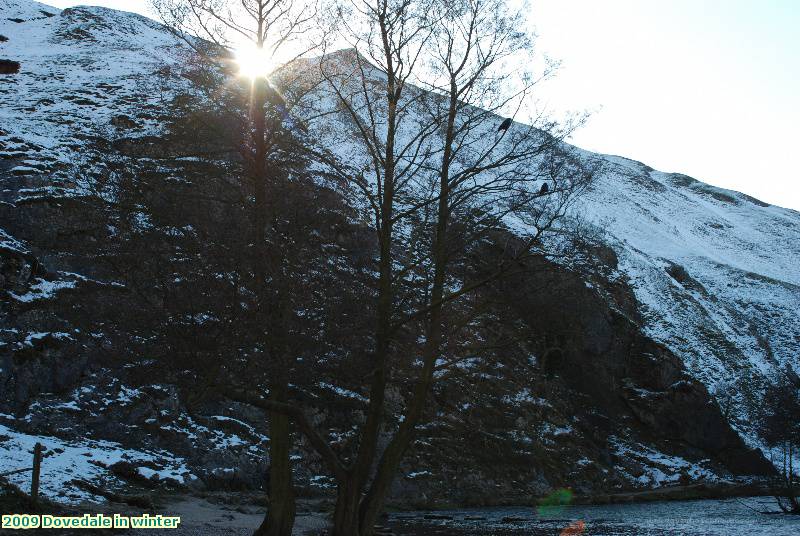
270,27
780,428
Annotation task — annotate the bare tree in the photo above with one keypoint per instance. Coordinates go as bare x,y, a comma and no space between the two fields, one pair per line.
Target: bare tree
486,176
268,31
371,88
779,426
438,173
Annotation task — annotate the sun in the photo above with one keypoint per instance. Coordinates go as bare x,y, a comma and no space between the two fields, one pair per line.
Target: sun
254,62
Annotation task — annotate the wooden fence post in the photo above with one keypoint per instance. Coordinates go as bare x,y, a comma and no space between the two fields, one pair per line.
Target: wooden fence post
37,465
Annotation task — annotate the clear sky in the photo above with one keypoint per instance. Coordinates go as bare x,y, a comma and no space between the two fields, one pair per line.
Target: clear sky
710,88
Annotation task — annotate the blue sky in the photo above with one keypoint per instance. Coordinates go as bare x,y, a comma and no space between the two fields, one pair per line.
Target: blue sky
710,88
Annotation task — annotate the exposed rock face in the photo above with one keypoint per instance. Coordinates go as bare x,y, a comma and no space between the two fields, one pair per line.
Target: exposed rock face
17,266
9,67
609,391
602,353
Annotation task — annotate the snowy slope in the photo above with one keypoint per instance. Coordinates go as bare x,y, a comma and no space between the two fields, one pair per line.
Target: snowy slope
80,69
715,272
84,71
733,313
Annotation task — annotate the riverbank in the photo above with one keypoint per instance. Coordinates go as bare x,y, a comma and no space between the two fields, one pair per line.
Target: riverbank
716,490
696,491
240,513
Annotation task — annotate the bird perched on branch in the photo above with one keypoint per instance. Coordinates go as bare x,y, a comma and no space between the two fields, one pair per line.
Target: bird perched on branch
544,189
504,125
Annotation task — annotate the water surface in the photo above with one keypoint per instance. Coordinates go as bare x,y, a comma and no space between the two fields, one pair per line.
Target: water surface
726,517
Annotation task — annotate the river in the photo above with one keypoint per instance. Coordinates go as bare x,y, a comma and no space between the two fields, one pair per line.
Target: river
727,517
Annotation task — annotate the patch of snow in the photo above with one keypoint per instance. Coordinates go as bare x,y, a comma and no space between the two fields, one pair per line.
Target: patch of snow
42,290
67,460
347,393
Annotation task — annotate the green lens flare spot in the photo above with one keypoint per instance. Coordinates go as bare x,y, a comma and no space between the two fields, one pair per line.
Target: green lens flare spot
554,503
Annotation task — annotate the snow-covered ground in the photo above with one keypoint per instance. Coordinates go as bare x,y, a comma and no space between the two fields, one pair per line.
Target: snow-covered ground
88,459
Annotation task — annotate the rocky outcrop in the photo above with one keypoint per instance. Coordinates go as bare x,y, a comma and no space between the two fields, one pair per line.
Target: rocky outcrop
8,67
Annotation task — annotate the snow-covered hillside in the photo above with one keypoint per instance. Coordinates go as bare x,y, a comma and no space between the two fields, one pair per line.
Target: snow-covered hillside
716,273
83,70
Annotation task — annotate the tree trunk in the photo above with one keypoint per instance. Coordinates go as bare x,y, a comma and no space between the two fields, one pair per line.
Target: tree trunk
346,512
279,519
281,505
280,515
373,502
795,505
259,171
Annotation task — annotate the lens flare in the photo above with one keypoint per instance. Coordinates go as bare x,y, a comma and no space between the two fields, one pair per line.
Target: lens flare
254,62
574,529
555,503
